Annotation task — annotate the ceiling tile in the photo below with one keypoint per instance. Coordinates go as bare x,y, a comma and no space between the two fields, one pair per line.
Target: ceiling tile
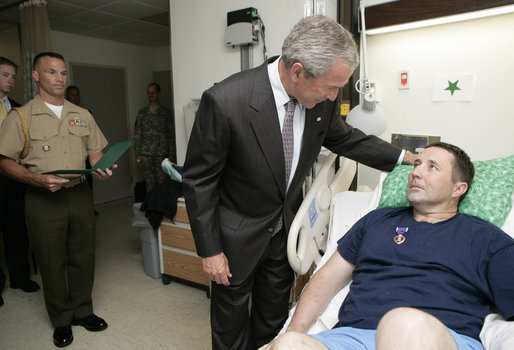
162,18
130,8
140,22
163,4
159,40
70,26
8,3
89,4
61,9
108,33
100,18
138,27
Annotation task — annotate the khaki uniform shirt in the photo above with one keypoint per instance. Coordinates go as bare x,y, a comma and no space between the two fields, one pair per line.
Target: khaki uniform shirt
55,143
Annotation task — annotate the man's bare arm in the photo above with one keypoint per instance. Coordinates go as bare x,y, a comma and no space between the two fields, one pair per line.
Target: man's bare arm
322,287
10,168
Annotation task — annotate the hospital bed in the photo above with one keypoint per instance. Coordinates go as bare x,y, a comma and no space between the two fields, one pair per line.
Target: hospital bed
329,210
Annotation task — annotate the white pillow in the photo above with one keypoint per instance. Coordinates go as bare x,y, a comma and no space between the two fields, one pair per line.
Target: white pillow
497,334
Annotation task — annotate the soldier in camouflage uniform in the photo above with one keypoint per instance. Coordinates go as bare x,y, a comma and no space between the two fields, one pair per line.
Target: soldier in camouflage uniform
155,139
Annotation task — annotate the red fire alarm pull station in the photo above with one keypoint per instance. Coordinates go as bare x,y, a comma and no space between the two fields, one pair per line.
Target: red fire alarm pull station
403,79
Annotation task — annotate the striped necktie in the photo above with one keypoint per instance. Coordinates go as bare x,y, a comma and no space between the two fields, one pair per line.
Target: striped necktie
288,145
288,137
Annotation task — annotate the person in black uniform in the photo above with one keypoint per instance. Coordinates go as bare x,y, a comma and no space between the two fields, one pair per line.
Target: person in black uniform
12,218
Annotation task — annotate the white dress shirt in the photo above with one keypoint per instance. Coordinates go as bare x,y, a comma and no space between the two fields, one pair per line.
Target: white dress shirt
281,98
7,103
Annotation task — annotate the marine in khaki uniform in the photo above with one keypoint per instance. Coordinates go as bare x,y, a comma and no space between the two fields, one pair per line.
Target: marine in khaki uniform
59,210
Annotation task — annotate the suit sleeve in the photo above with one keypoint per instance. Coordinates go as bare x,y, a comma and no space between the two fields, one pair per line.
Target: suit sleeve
352,143
14,103
205,159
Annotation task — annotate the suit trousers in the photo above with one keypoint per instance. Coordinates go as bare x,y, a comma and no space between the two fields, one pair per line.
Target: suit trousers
14,230
233,325
62,233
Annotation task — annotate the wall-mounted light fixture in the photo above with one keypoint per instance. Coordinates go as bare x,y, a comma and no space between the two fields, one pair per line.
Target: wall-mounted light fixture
494,11
367,115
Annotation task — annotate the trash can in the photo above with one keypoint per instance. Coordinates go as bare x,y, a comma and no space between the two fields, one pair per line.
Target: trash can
149,242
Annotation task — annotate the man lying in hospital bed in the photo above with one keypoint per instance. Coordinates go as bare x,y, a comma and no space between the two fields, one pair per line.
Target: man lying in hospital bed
426,276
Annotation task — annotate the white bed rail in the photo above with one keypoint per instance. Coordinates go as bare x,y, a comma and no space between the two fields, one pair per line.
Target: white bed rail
309,231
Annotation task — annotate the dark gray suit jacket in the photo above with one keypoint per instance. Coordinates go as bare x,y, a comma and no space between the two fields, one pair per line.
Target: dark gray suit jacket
14,103
234,173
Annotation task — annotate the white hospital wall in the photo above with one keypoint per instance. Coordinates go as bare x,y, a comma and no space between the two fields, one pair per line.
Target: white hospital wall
484,127
200,57
139,61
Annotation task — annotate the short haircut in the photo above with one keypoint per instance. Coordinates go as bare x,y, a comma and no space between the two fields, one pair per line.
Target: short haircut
317,43
157,87
45,54
71,87
8,62
463,169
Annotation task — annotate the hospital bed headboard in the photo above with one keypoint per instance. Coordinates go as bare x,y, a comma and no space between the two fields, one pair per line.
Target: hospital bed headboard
309,231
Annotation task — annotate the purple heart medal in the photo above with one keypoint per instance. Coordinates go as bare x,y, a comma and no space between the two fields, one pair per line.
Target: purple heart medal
400,238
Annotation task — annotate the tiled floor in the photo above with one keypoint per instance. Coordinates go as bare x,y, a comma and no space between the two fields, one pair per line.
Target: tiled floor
142,313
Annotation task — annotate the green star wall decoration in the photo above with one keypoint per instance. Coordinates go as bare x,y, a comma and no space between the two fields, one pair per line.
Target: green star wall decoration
452,86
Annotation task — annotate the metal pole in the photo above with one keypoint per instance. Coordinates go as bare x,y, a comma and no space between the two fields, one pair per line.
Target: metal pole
246,57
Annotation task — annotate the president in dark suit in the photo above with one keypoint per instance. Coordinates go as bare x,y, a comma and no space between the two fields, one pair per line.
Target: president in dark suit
239,198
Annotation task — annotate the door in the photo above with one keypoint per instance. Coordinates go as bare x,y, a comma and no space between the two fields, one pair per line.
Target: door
103,92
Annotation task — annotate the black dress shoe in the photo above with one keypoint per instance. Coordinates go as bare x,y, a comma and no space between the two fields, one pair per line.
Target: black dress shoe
63,336
92,323
1,301
28,286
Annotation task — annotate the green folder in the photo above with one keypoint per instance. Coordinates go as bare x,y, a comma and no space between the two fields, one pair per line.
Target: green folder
106,162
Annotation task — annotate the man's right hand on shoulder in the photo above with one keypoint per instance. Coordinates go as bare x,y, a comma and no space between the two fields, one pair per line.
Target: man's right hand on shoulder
217,269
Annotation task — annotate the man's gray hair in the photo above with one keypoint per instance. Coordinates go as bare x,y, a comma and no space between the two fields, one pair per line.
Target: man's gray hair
317,42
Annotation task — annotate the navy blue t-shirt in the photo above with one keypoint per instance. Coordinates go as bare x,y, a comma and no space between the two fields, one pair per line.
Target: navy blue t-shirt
455,269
